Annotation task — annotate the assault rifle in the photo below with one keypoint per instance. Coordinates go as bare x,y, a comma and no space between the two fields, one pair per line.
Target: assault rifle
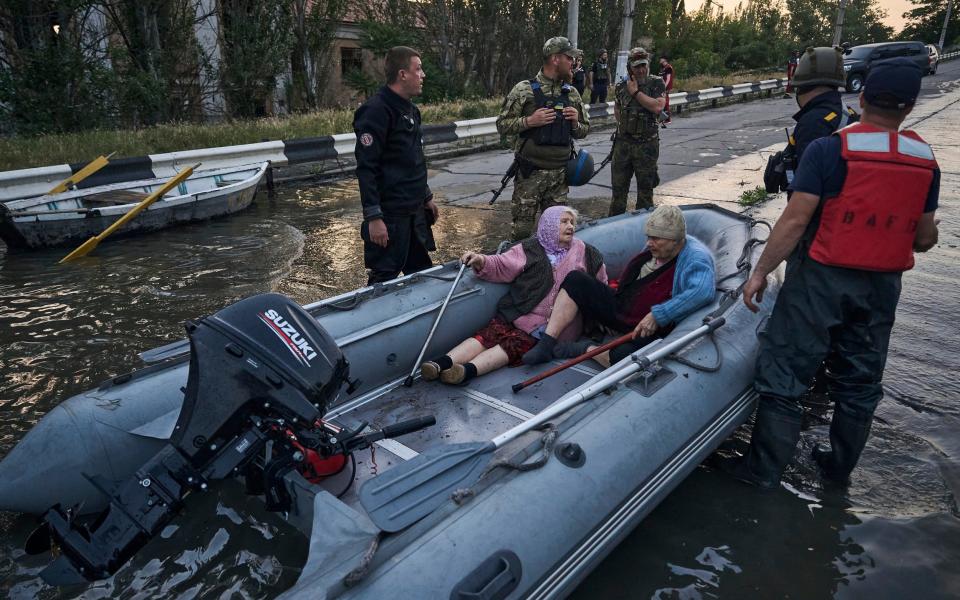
510,174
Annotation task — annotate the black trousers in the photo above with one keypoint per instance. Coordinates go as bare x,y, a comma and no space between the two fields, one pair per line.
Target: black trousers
407,250
841,316
596,302
598,93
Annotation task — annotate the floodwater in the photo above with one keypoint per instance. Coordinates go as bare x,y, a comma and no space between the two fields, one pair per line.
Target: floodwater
894,533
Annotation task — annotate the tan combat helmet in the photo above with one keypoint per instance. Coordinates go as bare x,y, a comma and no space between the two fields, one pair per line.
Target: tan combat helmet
820,66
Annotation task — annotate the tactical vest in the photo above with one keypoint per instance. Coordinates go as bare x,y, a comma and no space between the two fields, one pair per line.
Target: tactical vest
536,280
548,146
872,223
600,72
635,120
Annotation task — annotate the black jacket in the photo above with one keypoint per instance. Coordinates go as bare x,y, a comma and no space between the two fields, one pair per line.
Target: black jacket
812,123
391,167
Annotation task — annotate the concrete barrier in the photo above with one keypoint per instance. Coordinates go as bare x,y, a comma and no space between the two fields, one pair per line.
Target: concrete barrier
32,182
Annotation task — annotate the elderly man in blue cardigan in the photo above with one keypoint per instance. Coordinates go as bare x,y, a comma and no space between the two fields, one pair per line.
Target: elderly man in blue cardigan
670,279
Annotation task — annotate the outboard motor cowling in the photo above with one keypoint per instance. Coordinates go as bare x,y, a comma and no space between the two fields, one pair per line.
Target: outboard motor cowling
263,354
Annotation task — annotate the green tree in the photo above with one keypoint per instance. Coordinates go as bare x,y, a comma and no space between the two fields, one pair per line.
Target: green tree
52,77
925,22
256,46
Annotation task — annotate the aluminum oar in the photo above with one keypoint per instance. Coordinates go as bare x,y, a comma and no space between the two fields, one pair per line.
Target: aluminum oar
410,491
416,365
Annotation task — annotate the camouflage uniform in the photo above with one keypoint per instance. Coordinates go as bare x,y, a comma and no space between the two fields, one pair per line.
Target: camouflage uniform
637,147
542,183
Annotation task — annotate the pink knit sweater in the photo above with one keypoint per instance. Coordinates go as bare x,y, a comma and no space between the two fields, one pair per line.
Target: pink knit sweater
504,268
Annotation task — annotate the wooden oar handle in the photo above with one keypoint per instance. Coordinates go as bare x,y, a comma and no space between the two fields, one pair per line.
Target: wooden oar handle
574,361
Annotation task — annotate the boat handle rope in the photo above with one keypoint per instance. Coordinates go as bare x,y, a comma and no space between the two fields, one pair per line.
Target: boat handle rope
547,442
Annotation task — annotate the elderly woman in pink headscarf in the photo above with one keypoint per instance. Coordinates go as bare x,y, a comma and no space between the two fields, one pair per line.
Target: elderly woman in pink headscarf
534,268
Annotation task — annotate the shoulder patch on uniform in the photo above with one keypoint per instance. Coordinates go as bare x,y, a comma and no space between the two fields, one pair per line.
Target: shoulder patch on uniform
366,139
830,117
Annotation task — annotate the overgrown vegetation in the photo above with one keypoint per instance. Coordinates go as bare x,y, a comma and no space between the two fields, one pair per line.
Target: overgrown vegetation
89,65
32,151
754,196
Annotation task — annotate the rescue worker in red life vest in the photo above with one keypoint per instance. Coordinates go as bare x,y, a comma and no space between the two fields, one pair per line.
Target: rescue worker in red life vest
863,202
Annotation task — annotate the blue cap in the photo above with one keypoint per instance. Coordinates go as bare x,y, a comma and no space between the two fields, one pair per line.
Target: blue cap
893,84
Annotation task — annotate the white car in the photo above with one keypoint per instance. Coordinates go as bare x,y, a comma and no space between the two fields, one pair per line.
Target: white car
934,58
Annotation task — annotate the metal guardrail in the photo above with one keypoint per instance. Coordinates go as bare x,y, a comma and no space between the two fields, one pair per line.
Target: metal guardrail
33,182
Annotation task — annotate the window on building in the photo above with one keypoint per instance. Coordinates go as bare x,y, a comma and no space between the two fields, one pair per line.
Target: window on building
351,59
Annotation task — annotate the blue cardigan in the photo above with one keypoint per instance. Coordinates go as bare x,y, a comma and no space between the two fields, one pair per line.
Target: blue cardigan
694,284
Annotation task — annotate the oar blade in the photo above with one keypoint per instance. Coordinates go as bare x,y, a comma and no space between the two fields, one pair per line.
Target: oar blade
410,491
82,250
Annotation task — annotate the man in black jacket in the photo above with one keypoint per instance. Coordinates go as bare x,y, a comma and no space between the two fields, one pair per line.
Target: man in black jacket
822,111
398,207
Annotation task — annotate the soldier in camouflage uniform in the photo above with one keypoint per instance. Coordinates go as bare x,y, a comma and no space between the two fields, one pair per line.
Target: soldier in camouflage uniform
638,102
543,116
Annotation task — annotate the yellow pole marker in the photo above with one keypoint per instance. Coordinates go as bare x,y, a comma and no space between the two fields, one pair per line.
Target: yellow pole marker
88,246
92,167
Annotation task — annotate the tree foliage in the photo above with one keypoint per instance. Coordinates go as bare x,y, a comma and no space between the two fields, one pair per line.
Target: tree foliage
925,22
139,62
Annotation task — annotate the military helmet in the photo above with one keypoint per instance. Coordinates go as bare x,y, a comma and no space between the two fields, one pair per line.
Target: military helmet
579,168
820,66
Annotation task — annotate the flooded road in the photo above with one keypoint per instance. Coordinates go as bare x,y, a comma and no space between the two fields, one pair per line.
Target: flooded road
894,533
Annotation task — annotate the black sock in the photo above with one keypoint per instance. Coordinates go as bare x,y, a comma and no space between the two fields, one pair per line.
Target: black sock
542,352
444,362
469,371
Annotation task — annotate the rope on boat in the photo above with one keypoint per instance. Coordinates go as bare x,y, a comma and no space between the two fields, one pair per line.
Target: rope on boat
459,496
363,569
697,366
547,442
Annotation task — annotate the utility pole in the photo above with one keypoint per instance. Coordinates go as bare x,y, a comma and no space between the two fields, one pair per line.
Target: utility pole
838,28
573,21
946,19
626,34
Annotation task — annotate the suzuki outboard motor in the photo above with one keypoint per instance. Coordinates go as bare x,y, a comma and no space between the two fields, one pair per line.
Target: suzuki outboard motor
261,369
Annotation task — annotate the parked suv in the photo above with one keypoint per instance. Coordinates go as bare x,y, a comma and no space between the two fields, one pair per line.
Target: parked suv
934,58
858,60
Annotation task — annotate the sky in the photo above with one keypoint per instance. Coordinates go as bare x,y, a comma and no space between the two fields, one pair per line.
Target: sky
894,8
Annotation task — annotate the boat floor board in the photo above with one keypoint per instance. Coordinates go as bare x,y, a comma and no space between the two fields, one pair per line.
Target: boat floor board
113,197
478,412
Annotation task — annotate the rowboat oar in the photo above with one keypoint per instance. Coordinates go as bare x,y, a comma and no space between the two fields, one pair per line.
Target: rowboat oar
409,380
92,167
410,491
574,361
88,246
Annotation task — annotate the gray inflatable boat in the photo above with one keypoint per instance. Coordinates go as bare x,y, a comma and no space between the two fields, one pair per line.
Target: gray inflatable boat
509,495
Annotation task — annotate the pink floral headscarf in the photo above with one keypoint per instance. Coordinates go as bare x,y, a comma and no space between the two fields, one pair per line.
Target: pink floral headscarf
548,232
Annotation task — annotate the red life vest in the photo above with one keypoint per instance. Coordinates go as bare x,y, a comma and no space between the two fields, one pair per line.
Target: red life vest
872,224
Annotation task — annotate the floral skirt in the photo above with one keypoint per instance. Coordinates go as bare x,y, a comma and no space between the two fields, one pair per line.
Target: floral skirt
515,342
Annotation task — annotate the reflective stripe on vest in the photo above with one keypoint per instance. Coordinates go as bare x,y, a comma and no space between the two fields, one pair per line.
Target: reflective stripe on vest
868,142
872,223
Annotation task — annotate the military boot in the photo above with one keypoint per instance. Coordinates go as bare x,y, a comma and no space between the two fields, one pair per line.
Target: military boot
848,437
